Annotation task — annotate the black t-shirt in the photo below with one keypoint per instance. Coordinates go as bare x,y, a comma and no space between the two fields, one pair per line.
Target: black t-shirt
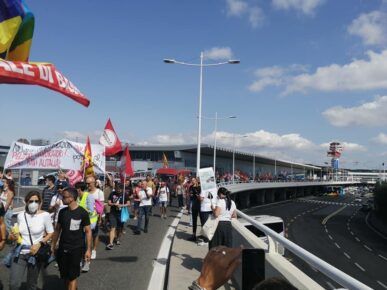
72,223
47,195
115,197
195,195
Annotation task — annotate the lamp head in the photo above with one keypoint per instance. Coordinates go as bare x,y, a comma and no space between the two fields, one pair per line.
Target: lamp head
234,61
169,60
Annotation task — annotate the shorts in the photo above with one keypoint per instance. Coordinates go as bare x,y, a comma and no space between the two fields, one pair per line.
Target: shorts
115,220
95,231
163,203
136,204
69,262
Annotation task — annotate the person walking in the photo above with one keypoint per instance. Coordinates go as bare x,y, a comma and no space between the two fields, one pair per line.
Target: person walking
6,198
87,202
48,192
145,195
99,196
180,194
118,199
194,192
207,205
163,197
73,224
225,210
34,229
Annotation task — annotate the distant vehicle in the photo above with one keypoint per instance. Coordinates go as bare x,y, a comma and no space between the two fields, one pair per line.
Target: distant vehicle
358,199
166,173
275,223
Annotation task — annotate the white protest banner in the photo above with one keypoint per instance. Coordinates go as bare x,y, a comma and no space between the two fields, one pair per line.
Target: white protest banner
207,181
63,154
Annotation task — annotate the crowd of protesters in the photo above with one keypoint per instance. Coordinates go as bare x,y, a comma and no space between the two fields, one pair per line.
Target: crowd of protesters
65,221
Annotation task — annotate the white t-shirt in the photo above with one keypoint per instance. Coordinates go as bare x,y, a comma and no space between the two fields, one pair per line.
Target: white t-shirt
39,224
163,193
205,205
98,194
180,190
57,199
225,215
143,198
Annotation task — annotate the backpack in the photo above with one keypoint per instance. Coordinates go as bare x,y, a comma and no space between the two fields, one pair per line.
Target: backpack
99,206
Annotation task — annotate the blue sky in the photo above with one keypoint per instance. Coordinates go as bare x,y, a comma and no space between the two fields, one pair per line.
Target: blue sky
311,71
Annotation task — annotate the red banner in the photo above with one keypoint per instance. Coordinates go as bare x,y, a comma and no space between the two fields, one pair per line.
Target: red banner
42,74
126,169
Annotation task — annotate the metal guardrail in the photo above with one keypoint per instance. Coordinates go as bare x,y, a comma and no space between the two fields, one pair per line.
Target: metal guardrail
335,274
280,181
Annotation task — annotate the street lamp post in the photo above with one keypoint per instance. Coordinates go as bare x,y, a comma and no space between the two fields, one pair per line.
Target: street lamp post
201,65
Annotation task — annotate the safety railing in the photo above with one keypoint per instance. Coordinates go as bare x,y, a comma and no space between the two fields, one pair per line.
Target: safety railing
325,268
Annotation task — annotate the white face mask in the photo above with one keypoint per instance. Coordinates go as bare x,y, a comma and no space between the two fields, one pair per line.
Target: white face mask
33,207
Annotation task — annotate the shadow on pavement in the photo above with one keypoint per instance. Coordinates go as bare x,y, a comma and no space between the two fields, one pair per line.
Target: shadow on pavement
126,259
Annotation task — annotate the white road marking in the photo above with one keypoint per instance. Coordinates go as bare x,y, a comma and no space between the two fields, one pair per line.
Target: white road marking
384,258
330,285
330,237
348,256
368,248
381,284
352,233
337,245
357,239
332,214
326,230
360,267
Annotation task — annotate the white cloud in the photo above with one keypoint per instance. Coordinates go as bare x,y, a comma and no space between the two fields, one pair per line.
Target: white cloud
373,113
347,147
73,135
357,75
240,8
307,7
173,139
381,139
274,76
81,137
370,27
218,53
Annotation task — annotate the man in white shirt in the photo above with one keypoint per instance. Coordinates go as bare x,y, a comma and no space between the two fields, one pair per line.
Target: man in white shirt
208,202
145,195
97,194
164,196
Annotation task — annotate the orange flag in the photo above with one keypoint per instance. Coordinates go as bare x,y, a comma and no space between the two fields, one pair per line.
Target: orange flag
87,164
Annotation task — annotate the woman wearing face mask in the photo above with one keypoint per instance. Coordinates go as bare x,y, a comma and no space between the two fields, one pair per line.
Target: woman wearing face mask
6,198
35,230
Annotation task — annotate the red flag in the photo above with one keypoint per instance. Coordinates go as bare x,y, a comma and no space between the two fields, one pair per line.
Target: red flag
126,165
110,140
42,74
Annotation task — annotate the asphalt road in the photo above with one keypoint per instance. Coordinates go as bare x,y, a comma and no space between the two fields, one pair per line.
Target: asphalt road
126,267
345,241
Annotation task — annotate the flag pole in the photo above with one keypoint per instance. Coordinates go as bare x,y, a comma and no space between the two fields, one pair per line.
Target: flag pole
123,196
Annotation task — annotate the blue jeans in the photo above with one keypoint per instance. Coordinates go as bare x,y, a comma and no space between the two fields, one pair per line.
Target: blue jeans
143,212
8,219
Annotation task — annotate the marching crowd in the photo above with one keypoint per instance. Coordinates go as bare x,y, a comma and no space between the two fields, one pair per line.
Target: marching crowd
61,225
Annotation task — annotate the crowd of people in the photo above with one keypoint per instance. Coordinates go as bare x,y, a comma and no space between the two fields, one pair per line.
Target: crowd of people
61,225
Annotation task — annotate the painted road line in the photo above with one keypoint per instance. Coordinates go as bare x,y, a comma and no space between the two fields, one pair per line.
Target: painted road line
330,237
326,230
384,258
360,267
333,214
337,245
357,239
381,284
348,256
352,233
330,285
368,248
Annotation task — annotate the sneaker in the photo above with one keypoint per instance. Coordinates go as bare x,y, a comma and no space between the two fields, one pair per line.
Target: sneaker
135,218
165,216
192,238
93,254
136,232
86,267
109,247
203,243
118,243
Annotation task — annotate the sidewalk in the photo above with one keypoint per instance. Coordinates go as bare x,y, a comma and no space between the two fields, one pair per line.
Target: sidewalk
186,257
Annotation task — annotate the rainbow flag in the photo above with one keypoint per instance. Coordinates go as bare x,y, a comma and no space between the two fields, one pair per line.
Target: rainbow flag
16,30
87,164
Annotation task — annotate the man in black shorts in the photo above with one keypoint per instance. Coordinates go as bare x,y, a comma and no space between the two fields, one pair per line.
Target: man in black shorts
73,224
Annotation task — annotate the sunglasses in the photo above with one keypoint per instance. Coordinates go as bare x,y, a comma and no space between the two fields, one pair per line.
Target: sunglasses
33,201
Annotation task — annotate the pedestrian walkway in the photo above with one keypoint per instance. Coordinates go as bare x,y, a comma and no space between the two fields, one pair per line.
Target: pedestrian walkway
128,266
186,258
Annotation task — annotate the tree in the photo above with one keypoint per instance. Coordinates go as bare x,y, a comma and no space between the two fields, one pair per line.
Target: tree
23,140
380,200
